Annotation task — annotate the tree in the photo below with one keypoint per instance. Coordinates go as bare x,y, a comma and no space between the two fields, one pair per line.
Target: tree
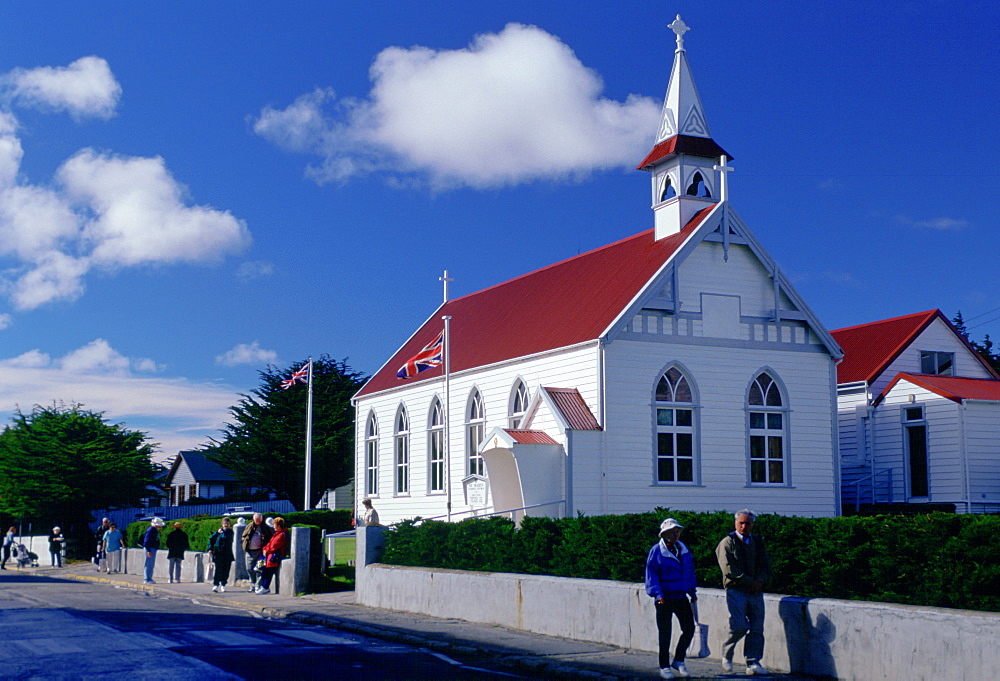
984,348
264,446
60,462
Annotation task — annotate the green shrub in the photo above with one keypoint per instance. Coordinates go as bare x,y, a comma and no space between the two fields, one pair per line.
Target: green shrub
936,559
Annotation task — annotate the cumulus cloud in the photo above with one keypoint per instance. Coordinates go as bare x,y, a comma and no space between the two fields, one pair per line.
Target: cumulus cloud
942,224
5,320
176,413
85,88
104,211
511,107
246,353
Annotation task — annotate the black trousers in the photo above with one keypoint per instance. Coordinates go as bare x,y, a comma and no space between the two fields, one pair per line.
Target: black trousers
222,572
664,616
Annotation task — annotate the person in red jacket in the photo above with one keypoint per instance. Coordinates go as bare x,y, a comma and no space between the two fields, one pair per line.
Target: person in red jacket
273,552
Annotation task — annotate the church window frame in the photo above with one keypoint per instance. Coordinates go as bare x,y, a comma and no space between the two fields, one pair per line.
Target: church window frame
401,452
475,430
371,456
436,473
767,414
518,405
676,441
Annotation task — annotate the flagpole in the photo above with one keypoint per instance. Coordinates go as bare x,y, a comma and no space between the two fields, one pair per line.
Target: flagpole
447,405
309,434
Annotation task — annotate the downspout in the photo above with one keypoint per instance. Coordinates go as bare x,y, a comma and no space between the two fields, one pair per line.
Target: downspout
838,457
602,408
963,406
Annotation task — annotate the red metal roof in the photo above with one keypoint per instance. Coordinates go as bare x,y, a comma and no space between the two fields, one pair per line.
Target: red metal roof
870,348
683,144
574,410
951,387
557,306
530,437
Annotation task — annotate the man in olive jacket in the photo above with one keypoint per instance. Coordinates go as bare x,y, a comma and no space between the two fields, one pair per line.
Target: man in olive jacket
745,568
255,535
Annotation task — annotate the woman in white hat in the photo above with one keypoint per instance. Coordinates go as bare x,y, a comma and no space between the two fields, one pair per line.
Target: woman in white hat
56,543
670,580
151,543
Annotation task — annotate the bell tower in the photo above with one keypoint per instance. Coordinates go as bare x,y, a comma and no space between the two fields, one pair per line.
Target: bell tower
685,160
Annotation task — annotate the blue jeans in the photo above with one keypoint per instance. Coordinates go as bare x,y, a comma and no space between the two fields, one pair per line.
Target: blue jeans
746,618
147,568
56,558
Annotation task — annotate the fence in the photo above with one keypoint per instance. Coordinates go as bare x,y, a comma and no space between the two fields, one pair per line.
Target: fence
123,516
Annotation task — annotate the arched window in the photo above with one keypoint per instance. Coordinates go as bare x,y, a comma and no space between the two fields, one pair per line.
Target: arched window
518,404
668,191
674,417
401,447
371,456
435,448
768,424
475,427
698,187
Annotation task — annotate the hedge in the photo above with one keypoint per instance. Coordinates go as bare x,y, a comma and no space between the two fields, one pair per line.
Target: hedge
935,559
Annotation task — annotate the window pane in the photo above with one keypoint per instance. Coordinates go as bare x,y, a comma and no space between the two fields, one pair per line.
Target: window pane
684,445
774,447
665,444
756,447
944,362
756,396
757,471
776,471
773,396
665,470
774,421
685,470
664,417
663,392
684,417
756,419
926,362
683,391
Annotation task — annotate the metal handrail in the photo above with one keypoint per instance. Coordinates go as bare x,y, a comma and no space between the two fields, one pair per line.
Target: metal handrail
857,487
511,511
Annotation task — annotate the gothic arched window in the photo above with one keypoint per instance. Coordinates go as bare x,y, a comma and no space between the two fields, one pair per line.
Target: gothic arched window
698,187
767,412
518,404
475,428
401,447
435,447
371,456
674,418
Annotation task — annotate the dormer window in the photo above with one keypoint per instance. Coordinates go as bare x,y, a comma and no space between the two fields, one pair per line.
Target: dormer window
939,363
698,187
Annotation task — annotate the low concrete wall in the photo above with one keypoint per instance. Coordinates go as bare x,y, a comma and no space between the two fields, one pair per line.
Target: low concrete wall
192,569
851,640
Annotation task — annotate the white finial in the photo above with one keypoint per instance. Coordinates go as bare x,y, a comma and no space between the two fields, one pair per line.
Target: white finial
680,28
445,278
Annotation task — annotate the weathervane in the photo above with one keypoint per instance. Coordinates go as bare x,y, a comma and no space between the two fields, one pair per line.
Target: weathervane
680,28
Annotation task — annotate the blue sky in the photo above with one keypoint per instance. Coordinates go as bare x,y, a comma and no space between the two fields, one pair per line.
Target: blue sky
190,191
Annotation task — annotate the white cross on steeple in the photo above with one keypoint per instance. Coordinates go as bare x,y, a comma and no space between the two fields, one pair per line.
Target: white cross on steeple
680,28
724,171
445,278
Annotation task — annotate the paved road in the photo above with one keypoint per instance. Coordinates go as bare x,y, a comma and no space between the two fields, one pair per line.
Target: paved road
60,629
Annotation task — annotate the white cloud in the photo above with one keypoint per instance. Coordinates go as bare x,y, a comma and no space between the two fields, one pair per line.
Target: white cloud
245,353
5,320
176,413
87,87
105,212
941,223
255,269
512,107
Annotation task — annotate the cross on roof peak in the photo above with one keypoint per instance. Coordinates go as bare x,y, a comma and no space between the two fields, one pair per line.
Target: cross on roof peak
680,28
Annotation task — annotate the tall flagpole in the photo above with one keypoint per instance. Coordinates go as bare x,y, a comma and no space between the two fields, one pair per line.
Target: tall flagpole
309,438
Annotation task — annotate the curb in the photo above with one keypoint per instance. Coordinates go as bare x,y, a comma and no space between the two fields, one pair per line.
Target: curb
525,664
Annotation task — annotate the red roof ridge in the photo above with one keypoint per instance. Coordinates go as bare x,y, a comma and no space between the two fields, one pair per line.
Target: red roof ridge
885,321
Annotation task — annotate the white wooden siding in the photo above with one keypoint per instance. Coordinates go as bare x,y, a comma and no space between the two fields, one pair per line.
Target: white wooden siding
982,433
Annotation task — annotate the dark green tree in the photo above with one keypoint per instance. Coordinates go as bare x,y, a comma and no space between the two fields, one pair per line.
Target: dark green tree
58,463
264,445
984,348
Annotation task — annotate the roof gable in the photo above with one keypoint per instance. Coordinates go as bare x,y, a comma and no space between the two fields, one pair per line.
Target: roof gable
201,469
953,388
570,302
870,348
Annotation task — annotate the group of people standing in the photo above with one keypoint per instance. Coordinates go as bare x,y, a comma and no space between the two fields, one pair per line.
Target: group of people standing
670,580
265,544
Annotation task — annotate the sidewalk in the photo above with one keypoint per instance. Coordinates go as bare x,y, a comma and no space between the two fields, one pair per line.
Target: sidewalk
511,650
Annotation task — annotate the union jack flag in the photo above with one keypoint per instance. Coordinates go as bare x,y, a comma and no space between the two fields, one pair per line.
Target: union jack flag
300,376
430,356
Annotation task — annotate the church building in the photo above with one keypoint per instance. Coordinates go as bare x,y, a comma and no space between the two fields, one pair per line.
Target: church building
676,367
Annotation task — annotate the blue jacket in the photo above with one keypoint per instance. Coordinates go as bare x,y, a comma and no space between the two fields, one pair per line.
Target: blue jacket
151,540
668,576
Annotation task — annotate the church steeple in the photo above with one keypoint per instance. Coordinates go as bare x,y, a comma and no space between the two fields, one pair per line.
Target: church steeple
684,156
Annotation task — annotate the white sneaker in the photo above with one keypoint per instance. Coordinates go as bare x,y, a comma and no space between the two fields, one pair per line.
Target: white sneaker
755,668
681,670
727,665
666,673
222,588
215,587
261,591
